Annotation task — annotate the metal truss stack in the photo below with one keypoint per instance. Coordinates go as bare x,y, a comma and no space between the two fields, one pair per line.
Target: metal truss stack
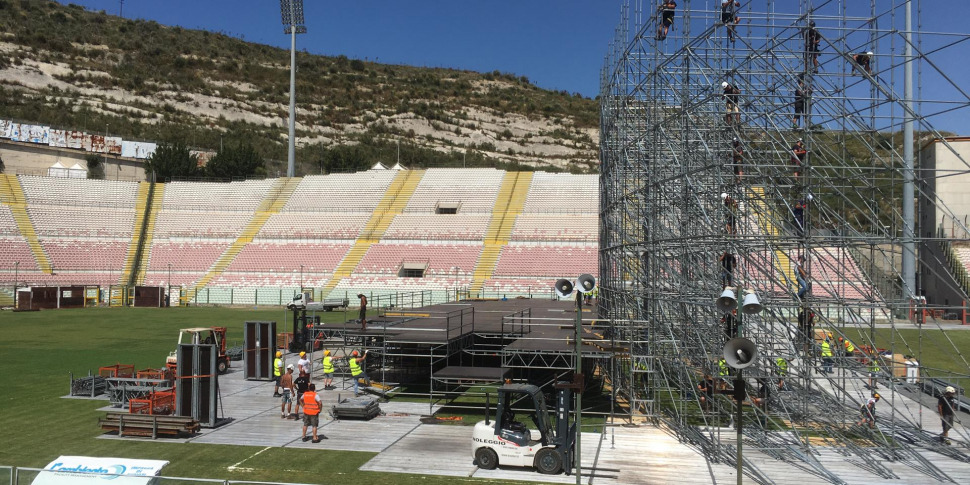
666,168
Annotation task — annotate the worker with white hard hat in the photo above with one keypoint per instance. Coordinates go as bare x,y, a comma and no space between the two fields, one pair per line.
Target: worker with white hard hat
946,406
863,61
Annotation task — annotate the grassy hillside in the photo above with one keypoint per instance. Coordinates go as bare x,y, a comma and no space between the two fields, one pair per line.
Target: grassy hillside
69,67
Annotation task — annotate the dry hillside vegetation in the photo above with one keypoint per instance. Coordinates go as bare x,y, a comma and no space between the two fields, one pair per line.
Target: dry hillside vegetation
71,68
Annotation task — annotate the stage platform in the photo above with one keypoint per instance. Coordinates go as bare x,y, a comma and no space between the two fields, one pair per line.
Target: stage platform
622,455
537,324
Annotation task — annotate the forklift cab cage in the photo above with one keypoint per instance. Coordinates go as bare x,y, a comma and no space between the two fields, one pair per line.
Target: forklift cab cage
505,424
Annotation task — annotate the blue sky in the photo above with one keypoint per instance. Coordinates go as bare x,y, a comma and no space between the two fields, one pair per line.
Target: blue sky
558,44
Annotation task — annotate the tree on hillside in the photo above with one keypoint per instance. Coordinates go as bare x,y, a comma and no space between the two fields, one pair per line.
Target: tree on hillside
95,167
239,161
171,160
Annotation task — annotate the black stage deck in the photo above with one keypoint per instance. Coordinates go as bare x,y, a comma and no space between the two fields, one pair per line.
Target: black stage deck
537,324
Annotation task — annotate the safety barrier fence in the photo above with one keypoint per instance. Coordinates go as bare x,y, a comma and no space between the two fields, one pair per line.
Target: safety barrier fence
279,296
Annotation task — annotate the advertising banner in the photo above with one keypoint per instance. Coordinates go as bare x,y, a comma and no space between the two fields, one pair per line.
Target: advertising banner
35,134
15,131
58,138
202,158
113,145
97,143
86,142
77,470
75,139
137,149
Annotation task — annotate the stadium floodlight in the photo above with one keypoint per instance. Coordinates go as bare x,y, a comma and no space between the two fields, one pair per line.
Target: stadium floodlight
291,12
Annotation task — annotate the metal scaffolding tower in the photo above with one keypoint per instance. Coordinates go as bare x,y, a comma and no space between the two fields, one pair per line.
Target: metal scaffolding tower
701,162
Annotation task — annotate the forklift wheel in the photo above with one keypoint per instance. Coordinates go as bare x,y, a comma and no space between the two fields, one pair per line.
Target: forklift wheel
222,366
487,459
548,461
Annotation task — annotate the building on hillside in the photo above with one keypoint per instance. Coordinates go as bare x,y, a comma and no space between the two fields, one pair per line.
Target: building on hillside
943,175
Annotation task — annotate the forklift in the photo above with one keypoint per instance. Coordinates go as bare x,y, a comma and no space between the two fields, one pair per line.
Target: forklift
203,335
512,443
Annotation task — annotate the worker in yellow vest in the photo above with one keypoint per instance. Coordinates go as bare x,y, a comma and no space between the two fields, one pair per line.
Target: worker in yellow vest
723,371
826,357
874,372
327,370
277,373
782,364
849,348
357,370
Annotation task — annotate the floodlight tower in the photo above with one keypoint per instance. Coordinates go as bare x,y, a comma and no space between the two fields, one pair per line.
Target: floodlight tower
292,13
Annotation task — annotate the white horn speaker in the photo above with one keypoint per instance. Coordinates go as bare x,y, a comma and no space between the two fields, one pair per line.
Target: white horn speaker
585,283
751,304
740,353
564,288
727,301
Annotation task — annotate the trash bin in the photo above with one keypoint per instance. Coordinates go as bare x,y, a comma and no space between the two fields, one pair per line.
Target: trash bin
912,371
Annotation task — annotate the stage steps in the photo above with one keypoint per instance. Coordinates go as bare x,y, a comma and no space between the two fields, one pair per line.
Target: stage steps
395,199
766,224
13,195
508,205
156,206
141,211
272,203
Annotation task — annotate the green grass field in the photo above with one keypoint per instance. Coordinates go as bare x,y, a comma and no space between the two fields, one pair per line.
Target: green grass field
38,350
941,355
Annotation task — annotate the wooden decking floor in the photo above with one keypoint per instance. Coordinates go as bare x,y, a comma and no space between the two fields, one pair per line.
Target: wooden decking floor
623,455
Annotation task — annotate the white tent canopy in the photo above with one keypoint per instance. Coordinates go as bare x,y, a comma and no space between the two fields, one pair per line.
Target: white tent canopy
58,170
77,172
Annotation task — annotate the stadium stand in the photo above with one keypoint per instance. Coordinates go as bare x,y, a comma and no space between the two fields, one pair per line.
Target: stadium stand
556,227
438,227
550,260
60,221
553,193
314,225
437,257
473,190
278,233
340,192
273,257
57,191
242,196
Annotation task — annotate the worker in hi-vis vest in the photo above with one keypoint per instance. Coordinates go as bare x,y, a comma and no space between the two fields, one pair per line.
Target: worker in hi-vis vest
277,373
826,354
311,412
357,369
782,364
327,370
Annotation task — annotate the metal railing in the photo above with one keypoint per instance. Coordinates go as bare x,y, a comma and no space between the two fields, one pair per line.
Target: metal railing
12,475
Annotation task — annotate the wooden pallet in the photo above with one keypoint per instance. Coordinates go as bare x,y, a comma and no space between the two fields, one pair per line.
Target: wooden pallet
148,425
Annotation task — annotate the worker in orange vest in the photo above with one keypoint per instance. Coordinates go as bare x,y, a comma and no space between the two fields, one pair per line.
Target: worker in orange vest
311,412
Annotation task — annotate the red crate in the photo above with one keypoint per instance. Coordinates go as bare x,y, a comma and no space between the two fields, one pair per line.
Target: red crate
158,402
117,370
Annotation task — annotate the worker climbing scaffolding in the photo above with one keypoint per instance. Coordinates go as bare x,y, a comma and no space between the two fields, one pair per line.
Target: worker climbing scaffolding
667,10
730,18
732,104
